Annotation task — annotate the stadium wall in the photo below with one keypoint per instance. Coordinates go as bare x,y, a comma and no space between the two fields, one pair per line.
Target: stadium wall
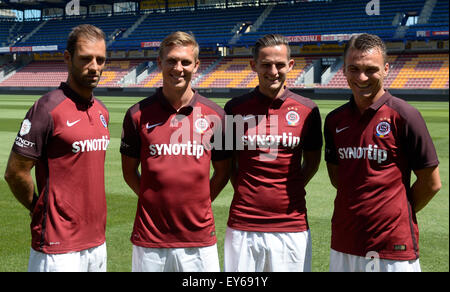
313,93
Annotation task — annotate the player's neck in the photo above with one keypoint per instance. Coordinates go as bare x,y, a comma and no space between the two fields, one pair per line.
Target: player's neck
178,98
364,103
273,94
85,93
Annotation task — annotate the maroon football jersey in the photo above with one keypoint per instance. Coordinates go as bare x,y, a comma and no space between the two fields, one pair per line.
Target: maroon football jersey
174,149
375,153
269,193
67,137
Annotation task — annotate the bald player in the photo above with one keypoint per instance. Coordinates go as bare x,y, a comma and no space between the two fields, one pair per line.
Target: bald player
373,143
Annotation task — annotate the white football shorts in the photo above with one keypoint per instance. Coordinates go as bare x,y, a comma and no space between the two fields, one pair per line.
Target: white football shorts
189,259
343,262
246,251
88,260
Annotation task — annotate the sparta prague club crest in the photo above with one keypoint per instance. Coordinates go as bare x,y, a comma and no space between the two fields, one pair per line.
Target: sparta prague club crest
383,128
201,125
103,120
292,118
25,128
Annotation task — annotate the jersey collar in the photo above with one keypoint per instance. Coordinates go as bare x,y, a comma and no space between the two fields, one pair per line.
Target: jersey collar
185,110
382,100
75,97
376,105
275,103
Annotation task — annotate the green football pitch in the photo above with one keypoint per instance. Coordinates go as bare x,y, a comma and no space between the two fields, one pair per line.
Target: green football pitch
14,219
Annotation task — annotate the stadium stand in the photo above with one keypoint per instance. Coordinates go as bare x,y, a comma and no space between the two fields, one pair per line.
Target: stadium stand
115,70
52,73
209,28
154,79
233,72
37,74
55,31
229,72
301,63
4,33
218,27
422,71
435,24
419,58
406,71
347,16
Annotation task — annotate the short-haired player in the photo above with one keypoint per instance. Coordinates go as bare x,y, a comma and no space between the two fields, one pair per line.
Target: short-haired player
169,136
373,144
64,136
278,149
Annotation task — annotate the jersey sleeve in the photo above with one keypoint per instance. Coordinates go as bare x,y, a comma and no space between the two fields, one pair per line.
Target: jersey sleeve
313,131
420,148
330,148
35,130
130,141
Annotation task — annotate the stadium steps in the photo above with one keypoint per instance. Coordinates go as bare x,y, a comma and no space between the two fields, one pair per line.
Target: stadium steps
400,32
211,66
426,12
253,27
8,70
140,72
34,30
11,36
301,63
227,70
332,70
155,80
135,26
262,18
115,71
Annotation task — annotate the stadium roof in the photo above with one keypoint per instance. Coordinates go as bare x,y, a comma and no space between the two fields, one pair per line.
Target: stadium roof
41,4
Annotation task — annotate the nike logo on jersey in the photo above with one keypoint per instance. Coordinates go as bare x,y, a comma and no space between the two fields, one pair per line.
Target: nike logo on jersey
340,130
152,126
248,117
70,124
